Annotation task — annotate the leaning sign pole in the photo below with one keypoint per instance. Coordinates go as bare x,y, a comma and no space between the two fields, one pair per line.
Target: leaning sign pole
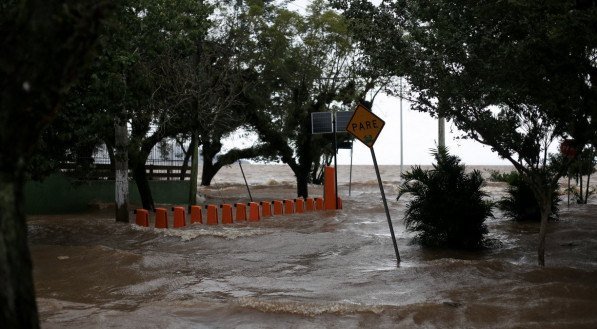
366,127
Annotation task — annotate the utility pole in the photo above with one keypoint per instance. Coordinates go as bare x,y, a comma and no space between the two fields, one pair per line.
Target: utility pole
441,132
441,123
401,134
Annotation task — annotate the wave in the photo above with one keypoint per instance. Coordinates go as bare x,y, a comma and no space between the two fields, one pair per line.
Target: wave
307,308
190,233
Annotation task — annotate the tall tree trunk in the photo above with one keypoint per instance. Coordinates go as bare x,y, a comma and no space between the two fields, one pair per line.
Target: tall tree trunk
209,170
587,188
317,173
187,157
17,294
302,183
194,151
581,200
140,176
545,207
121,171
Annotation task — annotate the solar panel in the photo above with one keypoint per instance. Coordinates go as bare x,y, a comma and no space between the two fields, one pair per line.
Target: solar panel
321,123
342,119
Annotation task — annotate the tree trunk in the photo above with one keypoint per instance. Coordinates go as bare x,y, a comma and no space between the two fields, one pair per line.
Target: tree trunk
316,173
302,183
17,295
545,207
121,171
193,150
209,171
587,188
140,177
581,200
187,157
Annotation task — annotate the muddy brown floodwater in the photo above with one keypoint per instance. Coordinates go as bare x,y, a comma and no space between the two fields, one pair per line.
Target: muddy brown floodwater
332,269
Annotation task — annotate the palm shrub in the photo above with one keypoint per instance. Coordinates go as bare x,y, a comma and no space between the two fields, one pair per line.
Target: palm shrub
448,208
520,203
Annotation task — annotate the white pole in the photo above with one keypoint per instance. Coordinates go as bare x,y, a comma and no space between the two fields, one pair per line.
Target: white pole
401,133
441,131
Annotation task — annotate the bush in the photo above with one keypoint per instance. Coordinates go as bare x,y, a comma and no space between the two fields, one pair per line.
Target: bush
496,176
520,204
448,208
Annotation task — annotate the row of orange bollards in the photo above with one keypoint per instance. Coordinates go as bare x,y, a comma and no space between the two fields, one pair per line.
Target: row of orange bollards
256,211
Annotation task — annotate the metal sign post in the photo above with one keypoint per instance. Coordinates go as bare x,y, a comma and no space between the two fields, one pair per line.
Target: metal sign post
245,178
366,126
385,205
326,123
335,161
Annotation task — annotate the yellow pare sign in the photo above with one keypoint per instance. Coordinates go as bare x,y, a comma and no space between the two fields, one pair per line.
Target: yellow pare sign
365,126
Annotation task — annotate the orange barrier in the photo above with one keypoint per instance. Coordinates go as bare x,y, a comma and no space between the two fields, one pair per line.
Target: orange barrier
161,218
319,203
254,212
300,205
339,203
212,214
196,214
266,209
309,204
329,188
278,207
142,218
179,217
288,207
241,211
226,213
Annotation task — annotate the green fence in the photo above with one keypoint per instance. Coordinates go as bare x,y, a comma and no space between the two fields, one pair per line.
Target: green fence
60,194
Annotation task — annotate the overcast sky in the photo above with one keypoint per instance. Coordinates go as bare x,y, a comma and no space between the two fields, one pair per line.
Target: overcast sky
420,135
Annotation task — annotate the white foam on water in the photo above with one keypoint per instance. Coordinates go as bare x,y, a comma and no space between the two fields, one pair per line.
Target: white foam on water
307,308
219,232
196,230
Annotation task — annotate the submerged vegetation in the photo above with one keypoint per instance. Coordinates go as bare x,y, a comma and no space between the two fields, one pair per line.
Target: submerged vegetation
521,204
448,206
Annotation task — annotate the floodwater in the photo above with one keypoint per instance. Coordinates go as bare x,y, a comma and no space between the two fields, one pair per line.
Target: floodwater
331,269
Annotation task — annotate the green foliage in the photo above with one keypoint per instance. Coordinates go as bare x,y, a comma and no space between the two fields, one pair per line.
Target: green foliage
514,75
505,177
448,207
521,204
301,64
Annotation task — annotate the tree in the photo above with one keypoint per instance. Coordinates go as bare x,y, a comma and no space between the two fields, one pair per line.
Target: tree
209,84
520,202
127,78
583,165
448,207
300,64
516,76
45,44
